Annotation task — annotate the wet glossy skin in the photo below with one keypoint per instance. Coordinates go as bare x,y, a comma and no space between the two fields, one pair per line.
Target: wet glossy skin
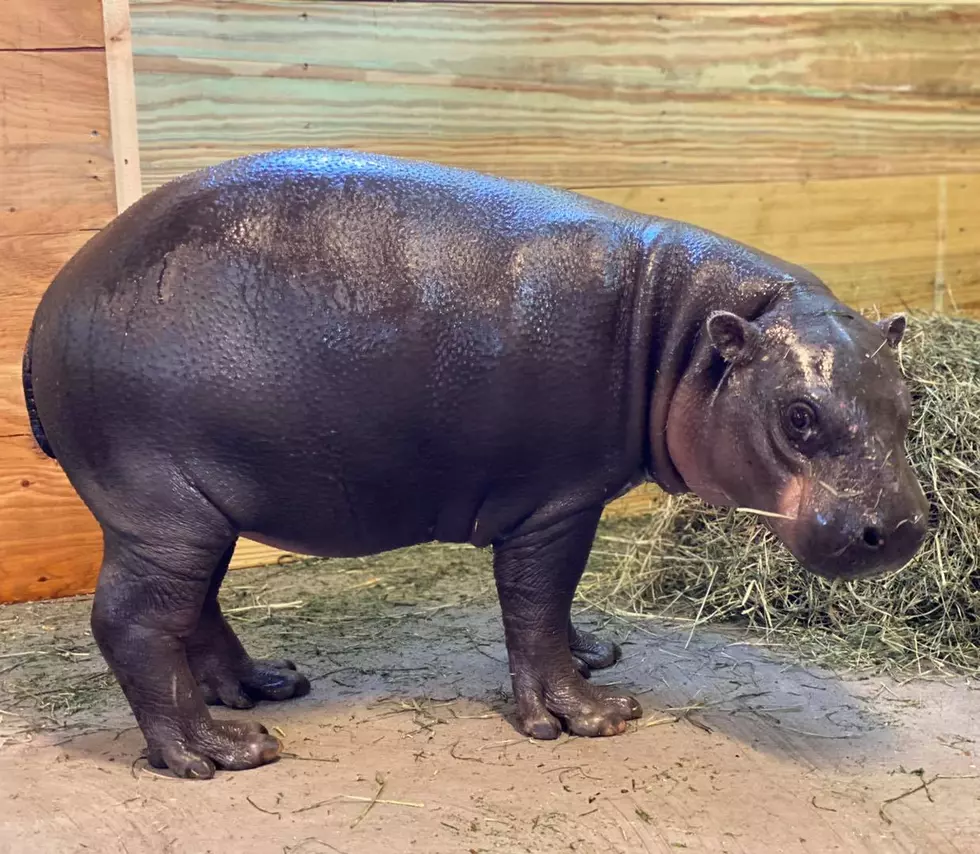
343,354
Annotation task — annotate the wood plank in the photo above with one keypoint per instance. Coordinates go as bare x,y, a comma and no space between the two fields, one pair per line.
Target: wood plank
910,4
249,553
636,503
961,259
874,241
55,154
51,544
122,102
610,95
50,24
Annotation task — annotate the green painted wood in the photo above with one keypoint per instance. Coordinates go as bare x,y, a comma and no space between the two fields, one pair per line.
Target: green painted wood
601,95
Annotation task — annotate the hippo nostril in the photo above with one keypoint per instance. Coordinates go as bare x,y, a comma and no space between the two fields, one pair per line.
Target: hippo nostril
872,538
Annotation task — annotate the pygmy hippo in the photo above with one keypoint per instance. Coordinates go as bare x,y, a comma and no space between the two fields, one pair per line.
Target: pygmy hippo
340,354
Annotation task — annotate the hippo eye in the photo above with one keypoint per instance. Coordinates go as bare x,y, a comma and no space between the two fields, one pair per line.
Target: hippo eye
801,420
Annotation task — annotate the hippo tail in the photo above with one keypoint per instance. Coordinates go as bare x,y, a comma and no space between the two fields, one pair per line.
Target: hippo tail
36,428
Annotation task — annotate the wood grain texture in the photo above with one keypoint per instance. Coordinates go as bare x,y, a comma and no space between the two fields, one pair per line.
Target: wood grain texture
51,544
911,4
961,260
877,242
59,24
122,102
608,95
672,109
55,156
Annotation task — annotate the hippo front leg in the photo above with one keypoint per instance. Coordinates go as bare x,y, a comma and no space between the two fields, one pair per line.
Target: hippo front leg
536,574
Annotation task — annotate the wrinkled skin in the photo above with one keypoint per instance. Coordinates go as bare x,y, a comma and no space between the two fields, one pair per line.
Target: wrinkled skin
342,354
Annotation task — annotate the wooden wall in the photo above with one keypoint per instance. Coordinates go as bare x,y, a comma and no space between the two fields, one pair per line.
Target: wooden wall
841,135
845,137
56,188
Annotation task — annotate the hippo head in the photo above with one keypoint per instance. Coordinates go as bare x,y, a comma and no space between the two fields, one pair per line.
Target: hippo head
802,414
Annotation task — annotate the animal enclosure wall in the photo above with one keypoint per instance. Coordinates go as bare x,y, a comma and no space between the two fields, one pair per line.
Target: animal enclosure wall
842,136
56,189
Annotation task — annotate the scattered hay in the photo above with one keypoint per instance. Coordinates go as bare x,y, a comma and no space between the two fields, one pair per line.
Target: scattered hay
340,616
690,561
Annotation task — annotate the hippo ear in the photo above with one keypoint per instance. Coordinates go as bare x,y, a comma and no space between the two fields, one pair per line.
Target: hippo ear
893,328
733,337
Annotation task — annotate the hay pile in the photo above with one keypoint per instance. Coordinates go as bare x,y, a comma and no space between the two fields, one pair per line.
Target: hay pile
693,562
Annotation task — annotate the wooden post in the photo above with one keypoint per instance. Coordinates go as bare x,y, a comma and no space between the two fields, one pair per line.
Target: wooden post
122,101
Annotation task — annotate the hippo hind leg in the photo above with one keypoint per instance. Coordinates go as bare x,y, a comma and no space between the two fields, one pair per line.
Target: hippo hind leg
224,671
154,581
536,574
591,653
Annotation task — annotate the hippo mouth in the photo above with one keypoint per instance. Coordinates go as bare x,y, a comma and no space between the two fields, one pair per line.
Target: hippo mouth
837,536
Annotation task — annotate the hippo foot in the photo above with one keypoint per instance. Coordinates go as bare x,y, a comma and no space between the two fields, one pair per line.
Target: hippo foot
226,674
575,705
590,653
241,685
230,745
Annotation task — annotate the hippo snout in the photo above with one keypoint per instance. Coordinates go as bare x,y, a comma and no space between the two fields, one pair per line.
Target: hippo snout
879,548
851,545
